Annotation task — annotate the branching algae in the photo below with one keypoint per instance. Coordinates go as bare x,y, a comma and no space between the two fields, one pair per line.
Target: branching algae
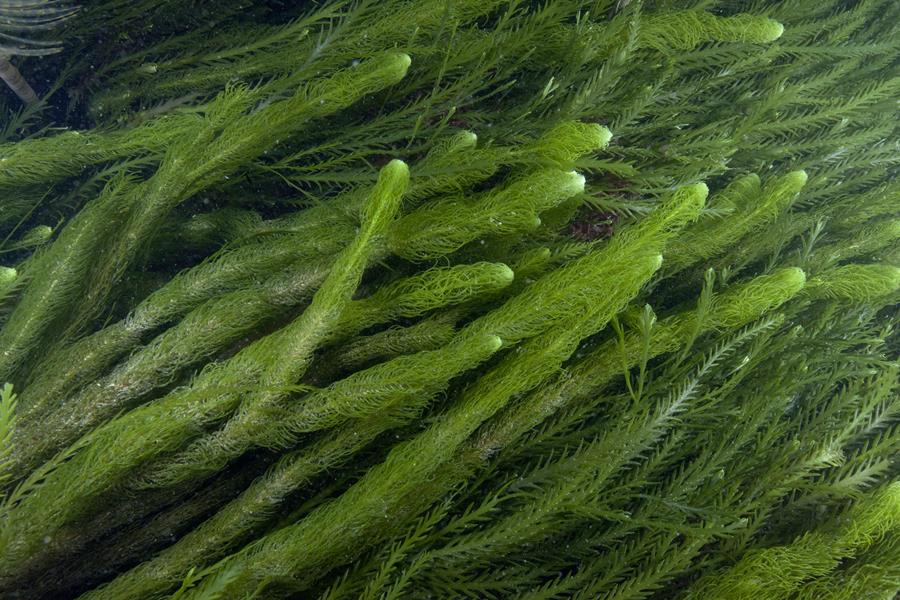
430,299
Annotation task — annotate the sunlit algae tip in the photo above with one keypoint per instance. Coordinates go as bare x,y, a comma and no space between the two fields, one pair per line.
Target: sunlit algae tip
7,275
700,188
604,135
505,274
396,168
799,178
795,277
773,32
576,184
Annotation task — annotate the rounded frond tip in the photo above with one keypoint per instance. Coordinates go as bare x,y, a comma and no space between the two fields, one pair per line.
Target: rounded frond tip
894,229
797,178
700,189
569,140
393,180
748,28
773,31
399,64
788,280
493,342
603,135
505,274
576,185
693,198
44,231
687,29
396,168
794,277
8,275
745,302
38,235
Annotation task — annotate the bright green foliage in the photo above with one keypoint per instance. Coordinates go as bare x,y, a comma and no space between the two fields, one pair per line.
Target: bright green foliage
872,239
687,30
26,162
515,209
855,282
776,572
221,389
7,423
748,208
8,277
874,573
473,299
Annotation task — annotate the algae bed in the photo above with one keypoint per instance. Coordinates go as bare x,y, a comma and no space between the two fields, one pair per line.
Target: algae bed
387,299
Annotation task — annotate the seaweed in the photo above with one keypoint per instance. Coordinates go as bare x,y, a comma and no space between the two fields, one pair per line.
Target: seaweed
495,299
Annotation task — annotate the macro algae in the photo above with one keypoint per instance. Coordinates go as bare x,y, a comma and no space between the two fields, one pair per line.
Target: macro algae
431,299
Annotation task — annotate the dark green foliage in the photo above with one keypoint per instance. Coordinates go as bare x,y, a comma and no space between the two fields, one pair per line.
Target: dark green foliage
471,299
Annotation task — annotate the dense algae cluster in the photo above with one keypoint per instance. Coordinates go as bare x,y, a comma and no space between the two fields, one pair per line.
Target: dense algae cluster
450,299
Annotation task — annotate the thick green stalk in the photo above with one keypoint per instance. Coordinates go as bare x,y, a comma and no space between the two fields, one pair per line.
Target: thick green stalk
323,229
213,325
111,452
684,30
60,272
277,422
220,322
361,352
203,333
46,160
855,283
451,223
229,139
71,367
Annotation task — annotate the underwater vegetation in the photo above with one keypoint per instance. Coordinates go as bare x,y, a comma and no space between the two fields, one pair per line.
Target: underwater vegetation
382,299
